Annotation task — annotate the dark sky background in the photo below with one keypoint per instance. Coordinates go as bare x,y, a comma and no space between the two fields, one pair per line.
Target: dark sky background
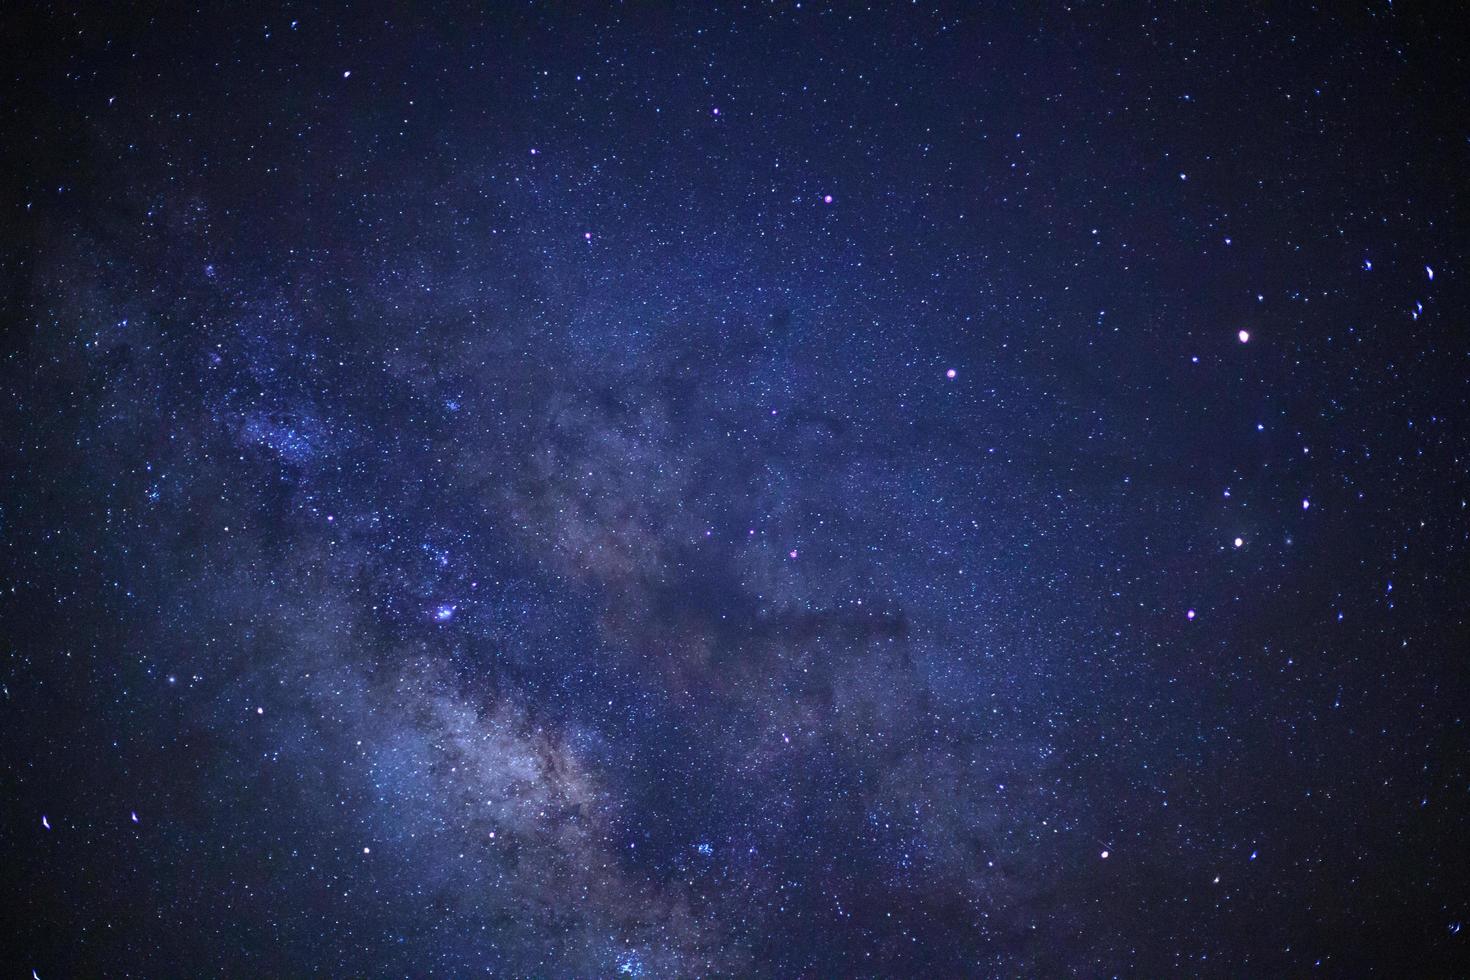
769,490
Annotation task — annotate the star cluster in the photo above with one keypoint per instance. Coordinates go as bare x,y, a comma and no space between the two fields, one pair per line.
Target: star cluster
734,490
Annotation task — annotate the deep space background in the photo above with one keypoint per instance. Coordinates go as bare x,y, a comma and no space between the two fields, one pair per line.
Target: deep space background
778,489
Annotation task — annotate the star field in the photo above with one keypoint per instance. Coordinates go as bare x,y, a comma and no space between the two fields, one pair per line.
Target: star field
774,489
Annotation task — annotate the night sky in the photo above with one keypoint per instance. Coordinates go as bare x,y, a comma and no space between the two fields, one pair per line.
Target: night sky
643,490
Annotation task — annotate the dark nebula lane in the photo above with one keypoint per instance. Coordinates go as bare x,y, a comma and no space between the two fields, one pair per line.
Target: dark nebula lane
762,490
